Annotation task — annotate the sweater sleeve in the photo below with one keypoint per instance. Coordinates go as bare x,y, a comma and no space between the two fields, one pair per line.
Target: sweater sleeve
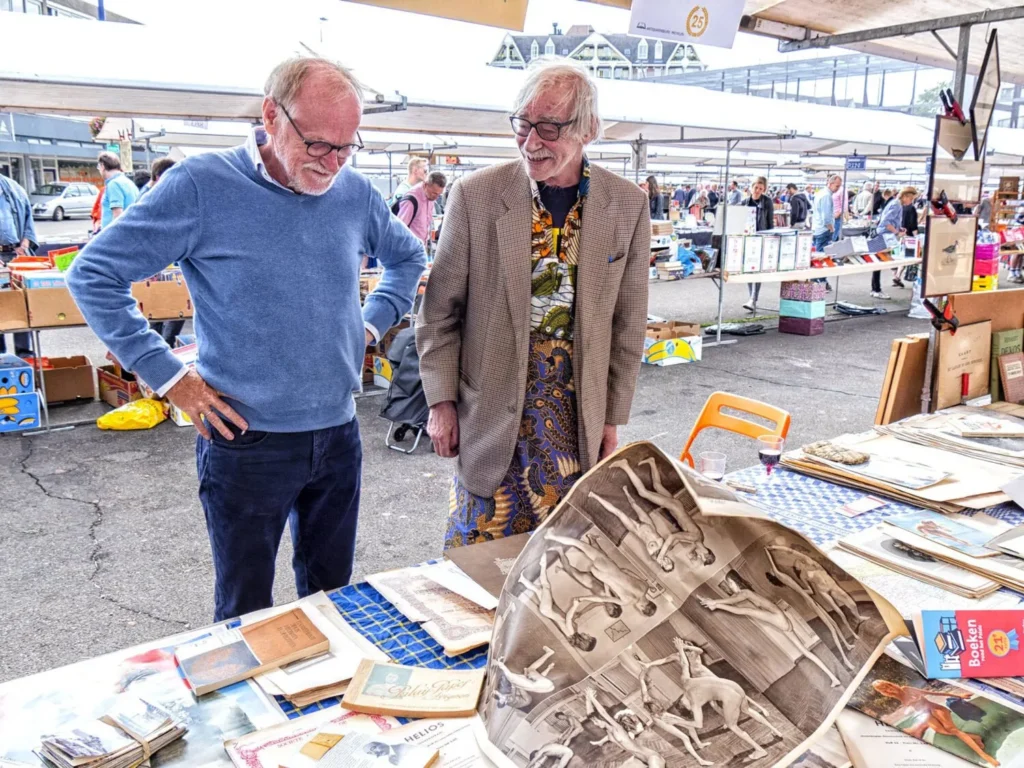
160,229
403,259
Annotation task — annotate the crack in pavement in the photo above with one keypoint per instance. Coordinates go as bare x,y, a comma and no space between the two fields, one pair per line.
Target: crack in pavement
796,385
96,554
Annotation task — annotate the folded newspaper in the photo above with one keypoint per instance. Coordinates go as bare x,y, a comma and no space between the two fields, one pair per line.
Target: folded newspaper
656,619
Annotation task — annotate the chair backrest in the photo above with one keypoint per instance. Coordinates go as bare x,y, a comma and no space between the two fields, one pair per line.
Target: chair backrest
712,416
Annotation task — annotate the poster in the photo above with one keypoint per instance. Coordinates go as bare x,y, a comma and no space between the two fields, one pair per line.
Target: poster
708,22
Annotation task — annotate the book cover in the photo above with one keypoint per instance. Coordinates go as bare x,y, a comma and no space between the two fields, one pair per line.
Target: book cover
489,562
362,750
1011,373
210,661
1003,343
391,689
283,636
968,352
972,643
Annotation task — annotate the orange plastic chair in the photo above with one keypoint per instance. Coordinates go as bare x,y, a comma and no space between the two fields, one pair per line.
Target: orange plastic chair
712,416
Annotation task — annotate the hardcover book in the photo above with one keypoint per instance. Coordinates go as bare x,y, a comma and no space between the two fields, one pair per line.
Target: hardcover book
1003,343
1011,373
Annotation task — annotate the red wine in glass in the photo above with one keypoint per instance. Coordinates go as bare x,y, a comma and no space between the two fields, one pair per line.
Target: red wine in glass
769,451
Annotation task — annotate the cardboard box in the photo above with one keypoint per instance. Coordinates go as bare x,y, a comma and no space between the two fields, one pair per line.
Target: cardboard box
16,376
117,387
802,326
178,416
13,310
382,371
69,378
368,373
802,290
19,412
986,252
673,351
163,299
808,310
52,307
673,329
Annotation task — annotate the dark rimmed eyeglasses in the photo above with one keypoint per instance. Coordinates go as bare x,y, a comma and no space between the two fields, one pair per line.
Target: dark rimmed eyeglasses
546,129
324,148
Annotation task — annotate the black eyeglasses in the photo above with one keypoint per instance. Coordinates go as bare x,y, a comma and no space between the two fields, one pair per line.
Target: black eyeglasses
546,129
324,148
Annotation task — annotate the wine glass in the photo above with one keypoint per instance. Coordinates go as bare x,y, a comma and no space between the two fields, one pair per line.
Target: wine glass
769,451
712,465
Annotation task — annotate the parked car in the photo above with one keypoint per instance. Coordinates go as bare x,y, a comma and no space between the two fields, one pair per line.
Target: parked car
58,201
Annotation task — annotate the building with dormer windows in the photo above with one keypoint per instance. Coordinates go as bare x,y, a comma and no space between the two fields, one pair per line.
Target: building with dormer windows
614,57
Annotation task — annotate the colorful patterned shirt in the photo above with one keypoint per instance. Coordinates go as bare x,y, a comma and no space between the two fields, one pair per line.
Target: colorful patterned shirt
554,255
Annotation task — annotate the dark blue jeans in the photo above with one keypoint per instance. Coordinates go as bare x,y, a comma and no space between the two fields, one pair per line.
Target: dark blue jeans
252,486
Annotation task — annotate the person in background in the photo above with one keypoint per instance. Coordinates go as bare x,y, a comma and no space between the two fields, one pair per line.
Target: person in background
119,192
799,207
691,192
735,197
679,197
891,222
17,238
143,180
713,198
911,227
655,199
864,200
878,201
823,216
765,220
529,269
419,168
416,208
700,205
269,452
168,329
97,212
839,207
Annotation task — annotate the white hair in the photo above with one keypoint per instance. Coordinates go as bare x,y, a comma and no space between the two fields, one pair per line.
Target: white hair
574,86
286,78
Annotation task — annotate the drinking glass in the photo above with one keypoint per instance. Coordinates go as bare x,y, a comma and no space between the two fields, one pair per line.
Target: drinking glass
712,465
769,451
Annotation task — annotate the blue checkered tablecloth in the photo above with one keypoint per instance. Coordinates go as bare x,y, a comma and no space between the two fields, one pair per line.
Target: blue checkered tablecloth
802,503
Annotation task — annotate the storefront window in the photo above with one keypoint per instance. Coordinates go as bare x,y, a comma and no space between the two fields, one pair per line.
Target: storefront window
79,170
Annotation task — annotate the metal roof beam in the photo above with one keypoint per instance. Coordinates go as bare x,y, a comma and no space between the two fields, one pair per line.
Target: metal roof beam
817,40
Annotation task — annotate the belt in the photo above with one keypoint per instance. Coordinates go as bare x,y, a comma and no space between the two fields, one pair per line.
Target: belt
8,248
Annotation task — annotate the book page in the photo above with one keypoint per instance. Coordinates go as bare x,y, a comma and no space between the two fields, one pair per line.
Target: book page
870,744
653,619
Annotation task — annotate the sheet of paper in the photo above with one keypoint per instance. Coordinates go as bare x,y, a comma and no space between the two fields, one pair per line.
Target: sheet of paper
860,506
451,577
1015,490
870,743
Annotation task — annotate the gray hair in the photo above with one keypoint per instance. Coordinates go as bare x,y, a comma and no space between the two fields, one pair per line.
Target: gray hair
575,87
286,78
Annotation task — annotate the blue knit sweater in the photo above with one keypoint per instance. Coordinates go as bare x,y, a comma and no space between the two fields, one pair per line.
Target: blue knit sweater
274,278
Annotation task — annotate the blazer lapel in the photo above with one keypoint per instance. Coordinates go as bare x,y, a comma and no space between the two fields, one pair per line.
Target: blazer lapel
597,243
513,229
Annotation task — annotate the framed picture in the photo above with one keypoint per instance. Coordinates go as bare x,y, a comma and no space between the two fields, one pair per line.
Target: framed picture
948,262
953,168
986,92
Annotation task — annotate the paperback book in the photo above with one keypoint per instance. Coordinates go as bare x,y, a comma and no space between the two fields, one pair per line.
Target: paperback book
980,644
391,689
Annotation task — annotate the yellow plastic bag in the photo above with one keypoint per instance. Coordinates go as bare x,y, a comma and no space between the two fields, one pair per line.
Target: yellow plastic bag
139,414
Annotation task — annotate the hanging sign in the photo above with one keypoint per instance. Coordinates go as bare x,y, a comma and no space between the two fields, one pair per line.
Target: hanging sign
707,22
856,163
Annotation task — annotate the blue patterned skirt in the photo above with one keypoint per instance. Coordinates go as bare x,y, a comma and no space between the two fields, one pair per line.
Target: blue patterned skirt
546,461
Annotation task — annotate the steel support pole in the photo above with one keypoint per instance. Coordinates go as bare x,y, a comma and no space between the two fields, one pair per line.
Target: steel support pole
721,247
960,74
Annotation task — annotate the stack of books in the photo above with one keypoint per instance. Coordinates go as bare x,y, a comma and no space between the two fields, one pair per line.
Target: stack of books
132,731
955,429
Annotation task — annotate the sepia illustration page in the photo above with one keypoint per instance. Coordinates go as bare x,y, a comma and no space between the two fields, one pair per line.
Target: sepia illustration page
656,619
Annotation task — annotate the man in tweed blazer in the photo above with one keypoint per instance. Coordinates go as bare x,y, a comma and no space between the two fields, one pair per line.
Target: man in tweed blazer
474,330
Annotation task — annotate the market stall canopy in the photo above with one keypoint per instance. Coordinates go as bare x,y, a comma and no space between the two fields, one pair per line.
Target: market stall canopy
224,84
846,17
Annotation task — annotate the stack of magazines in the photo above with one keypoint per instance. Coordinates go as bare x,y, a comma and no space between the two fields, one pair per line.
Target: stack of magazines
124,738
994,434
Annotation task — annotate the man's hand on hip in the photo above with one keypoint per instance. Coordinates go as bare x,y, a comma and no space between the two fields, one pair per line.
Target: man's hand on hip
199,400
609,441
443,428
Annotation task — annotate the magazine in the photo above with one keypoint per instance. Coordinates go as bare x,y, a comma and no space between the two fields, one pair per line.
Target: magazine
640,627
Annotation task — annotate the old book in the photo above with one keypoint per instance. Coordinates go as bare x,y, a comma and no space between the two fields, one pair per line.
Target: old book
908,379
890,370
968,352
986,425
1011,374
224,658
391,689
1003,343
970,643
489,562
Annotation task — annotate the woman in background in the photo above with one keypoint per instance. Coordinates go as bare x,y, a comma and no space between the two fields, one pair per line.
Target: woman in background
656,198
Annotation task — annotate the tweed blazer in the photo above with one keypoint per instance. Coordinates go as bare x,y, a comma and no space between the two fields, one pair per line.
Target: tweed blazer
473,327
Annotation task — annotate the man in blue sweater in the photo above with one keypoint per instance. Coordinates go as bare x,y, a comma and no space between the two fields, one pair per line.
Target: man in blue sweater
269,236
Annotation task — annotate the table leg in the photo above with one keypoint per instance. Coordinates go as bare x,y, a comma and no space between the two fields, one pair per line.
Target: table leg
835,297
